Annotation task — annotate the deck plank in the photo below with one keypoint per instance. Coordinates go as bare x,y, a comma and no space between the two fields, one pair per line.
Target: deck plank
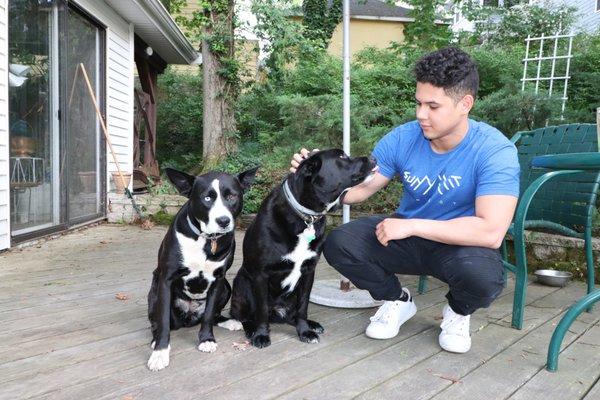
66,336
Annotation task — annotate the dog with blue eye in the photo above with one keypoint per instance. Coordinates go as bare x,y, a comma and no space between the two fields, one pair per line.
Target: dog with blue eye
189,285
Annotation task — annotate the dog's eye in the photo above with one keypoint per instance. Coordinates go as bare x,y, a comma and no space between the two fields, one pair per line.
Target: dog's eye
231,197
207,198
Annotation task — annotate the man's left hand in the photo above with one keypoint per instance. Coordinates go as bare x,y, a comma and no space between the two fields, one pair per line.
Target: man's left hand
393,229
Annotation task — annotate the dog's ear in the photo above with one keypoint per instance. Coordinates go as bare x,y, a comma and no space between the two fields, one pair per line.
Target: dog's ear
247,177
183,182
312,165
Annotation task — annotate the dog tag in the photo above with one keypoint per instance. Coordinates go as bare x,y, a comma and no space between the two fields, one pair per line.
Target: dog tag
213,246
309,233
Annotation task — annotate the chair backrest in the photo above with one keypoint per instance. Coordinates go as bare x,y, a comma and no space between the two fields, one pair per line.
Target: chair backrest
568,200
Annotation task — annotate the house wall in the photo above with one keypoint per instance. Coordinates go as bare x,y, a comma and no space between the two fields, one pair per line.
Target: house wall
588,19
119,98
120,67
365,33
4,166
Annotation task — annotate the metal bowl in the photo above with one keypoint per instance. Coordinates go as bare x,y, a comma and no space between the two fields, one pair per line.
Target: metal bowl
551,277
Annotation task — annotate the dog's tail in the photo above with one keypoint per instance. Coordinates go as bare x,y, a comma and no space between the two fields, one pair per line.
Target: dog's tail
228,323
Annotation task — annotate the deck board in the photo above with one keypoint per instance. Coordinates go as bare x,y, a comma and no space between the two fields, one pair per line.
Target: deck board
66,336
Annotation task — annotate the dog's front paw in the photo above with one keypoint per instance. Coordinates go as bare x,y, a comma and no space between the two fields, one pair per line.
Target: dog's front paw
208,346
315,326
159,359
231,324
308,337
261,340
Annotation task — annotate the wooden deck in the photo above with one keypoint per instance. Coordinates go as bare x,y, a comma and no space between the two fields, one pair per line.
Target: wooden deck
65,335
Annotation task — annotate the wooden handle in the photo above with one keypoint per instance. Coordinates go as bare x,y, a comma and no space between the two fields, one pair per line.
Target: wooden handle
102,124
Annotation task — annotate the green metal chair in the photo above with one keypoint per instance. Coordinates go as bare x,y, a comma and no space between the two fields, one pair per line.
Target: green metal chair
561,162
562,200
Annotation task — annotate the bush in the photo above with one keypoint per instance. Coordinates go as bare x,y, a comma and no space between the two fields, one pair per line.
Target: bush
497,67
584,85
179,120
511,110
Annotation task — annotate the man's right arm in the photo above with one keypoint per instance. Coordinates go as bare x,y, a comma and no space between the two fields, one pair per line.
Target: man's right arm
362,192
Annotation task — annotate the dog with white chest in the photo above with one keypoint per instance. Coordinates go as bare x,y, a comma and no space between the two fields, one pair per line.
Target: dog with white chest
284,242
189,285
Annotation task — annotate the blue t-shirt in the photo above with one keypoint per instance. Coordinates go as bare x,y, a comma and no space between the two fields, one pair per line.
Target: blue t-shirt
445,186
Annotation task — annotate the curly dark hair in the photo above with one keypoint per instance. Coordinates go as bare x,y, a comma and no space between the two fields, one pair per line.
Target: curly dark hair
451,69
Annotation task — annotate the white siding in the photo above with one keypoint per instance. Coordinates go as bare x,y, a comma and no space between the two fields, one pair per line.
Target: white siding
4,166
119,83
588,19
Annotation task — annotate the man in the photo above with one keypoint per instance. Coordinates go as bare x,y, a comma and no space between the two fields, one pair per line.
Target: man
461,185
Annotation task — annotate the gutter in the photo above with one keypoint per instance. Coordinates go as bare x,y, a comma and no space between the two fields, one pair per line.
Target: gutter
165,23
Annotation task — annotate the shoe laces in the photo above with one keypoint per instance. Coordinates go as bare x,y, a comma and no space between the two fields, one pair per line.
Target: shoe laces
385,312
454,323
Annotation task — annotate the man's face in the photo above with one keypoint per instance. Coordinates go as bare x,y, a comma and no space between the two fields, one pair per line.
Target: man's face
439,114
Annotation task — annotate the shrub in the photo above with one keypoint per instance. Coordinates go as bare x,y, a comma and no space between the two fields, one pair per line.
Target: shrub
179,120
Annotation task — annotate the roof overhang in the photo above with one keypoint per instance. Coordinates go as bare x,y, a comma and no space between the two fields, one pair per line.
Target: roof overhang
157,28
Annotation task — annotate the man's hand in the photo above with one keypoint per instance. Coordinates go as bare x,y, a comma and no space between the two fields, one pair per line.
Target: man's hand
393,229
298,157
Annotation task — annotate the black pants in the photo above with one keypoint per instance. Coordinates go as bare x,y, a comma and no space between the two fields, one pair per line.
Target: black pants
474,274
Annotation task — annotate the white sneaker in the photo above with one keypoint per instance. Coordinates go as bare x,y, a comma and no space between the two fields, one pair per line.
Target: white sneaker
386,322
455,335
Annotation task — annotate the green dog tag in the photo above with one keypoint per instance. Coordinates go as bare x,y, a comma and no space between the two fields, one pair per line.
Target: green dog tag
309,233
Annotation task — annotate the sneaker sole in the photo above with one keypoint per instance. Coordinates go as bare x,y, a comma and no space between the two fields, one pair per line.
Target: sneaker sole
413,311
457,350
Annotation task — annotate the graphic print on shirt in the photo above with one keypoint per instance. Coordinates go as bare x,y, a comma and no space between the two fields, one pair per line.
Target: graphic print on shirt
423,185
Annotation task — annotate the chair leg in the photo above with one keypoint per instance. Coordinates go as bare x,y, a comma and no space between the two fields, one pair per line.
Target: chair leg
563,326
520,282
505,258
589,257
422,284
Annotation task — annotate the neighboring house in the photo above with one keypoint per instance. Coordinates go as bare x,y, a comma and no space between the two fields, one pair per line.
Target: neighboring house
588,14
373,23
54,161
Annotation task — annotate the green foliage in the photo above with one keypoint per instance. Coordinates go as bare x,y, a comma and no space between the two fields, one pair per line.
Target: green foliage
497,67
511,110
286,42
584,85
179,120
507,26
320,17
426,32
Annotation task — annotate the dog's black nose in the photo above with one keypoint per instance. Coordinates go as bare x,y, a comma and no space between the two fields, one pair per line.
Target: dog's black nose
223,222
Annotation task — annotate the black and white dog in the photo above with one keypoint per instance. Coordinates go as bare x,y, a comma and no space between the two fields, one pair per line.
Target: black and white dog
283,244
189,285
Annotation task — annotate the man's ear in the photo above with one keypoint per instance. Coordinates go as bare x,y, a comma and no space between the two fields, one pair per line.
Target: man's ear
247,177
466,104
183,182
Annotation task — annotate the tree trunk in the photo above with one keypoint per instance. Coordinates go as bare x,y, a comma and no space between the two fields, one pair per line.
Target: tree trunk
219,97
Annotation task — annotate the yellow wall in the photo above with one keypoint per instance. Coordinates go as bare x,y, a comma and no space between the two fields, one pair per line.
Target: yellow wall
365,33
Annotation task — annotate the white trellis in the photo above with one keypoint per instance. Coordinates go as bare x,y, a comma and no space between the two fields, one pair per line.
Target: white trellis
552,78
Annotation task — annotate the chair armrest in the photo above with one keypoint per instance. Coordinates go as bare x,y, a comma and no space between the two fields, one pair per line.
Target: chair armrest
583,161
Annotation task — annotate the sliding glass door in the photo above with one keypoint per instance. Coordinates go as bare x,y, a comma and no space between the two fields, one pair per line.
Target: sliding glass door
33,117
83,147
57,160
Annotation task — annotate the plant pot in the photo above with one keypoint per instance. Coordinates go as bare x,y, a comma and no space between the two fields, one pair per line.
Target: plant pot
119,188
22,146
88,181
